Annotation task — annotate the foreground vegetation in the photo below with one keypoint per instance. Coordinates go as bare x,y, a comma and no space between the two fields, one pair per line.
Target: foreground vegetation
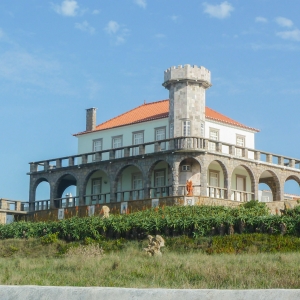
184,264
194,221
206,247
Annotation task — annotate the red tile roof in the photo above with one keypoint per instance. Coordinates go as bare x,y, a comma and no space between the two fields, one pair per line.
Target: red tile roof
216,116
158,110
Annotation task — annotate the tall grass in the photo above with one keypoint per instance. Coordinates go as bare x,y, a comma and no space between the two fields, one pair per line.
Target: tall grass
32,263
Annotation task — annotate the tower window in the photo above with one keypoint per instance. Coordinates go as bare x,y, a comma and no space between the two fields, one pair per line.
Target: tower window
186,128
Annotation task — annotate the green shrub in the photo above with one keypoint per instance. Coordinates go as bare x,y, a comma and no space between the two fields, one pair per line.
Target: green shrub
49,238
240,243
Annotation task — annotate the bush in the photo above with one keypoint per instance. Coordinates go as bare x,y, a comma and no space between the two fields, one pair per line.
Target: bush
49,238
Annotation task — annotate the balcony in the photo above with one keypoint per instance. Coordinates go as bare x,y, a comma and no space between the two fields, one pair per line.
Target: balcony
190,144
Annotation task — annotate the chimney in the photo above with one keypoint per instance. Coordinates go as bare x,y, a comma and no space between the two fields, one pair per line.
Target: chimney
91,119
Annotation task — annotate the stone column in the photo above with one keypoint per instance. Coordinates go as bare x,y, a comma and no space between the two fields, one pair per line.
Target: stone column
2,218
52,196
292,163
175,177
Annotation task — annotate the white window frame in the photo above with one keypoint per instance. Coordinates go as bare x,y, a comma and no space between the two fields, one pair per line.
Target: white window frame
161,136
240,142
186,168
96,148
186,128
137,141
137,184
118,153
214,191
171,130
94,180
214,134
202,129
161,173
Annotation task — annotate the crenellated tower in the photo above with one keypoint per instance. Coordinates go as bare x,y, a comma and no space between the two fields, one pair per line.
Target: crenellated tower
187,85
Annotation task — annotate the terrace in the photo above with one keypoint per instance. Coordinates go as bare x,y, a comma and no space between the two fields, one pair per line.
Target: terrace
262,167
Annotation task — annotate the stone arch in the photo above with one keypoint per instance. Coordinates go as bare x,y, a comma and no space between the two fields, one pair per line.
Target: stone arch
270,178
37,183
159,190
217,172
122,188
189,169
290,191
64,181
104,188
240,190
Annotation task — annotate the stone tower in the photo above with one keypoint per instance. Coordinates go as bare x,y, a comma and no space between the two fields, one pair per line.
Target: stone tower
187,85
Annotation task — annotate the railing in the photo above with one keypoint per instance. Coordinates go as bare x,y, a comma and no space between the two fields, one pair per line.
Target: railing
182,191
241,196
97,199
216,192
40,205
175,144
129,195
162,191
66,202
13,205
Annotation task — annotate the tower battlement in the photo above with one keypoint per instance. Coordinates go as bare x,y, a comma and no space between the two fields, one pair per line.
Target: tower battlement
187,72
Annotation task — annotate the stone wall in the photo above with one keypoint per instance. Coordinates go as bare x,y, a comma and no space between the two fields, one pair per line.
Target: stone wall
139,205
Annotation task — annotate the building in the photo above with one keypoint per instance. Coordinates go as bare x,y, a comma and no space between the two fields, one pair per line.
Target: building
152,150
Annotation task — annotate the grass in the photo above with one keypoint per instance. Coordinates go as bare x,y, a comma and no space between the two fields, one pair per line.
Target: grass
29,262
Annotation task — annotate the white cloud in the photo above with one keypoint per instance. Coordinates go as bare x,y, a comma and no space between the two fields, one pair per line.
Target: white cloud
117,32
141,3
279,47
93,88
284,22
261,20
174,18
160,36
85,26
112,27
20,67
1,33
293,35
96,12
220,11
66,8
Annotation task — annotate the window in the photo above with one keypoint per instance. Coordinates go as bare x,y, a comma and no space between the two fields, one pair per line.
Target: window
137,139
213,135
119,189
117,143
97,146
214,178
186,168
186,128
171,130
159,178
214,184
202,131
96,188
137,186
240,142
160,134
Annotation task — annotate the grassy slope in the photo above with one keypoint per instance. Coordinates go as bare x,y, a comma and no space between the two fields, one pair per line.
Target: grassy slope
32,263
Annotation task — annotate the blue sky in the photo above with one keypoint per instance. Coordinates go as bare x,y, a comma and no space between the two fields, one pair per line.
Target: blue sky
58,58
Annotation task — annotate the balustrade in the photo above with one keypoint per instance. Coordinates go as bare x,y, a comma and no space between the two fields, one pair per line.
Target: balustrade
97,198
181,143
241,196
162,191
216,192
183,192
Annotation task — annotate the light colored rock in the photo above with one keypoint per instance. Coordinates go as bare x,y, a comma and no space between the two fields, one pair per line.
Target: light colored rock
155,243
105,210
